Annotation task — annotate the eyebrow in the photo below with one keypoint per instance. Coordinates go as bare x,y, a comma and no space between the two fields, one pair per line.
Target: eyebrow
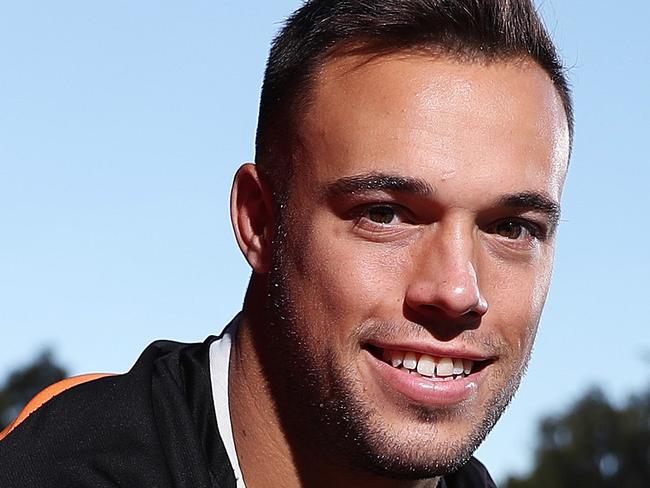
536,202
377,181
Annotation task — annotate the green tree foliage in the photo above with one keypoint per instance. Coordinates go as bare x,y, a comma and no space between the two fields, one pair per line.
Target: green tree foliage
23,383
595,445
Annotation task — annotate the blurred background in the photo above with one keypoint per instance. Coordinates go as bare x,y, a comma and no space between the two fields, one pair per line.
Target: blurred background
121,126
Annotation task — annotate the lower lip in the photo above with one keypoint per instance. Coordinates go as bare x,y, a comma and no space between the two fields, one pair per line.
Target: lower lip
420,389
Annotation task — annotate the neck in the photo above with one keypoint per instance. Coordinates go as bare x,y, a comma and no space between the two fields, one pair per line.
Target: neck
272,452
262,446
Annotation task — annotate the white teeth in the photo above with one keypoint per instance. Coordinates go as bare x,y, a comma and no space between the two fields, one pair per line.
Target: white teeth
410,360
458,366
468,364
397,358
426,365
445,367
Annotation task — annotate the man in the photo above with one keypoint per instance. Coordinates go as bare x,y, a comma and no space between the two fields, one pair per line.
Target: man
400,224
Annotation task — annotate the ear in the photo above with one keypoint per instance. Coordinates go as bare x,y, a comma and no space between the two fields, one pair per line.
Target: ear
251,212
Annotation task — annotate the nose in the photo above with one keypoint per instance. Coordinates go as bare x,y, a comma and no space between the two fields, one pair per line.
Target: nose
445,278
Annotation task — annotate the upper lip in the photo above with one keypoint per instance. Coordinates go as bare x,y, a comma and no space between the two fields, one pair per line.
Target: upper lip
458,351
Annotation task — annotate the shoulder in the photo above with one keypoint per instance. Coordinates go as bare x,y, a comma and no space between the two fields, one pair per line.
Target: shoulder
92,428
472,475
46,395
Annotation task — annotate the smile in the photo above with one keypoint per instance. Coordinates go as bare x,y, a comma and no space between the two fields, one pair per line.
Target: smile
433,379
436,368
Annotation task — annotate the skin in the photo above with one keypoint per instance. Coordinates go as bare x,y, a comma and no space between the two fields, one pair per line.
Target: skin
423,209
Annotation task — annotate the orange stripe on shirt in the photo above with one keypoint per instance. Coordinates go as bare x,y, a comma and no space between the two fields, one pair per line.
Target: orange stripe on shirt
46,395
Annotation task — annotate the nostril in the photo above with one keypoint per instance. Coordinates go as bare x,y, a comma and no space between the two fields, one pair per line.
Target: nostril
473,315
453,301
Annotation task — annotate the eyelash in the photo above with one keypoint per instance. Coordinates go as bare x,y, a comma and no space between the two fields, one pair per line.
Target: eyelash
362,213
533,229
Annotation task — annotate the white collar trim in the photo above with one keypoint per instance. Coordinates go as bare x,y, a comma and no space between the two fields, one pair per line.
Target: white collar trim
219,367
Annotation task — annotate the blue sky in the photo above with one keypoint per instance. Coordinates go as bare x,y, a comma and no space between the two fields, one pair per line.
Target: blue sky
122,123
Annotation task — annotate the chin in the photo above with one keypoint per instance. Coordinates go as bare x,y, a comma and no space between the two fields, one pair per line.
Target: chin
402,440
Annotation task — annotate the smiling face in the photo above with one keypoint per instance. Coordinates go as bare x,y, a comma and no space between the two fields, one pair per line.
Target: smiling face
415,254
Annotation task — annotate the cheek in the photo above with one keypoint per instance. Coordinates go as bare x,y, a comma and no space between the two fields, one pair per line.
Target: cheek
516,296
345,280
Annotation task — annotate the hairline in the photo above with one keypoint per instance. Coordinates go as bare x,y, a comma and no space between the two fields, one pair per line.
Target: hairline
372,48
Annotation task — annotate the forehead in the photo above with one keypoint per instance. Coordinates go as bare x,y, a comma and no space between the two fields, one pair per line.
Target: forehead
428,116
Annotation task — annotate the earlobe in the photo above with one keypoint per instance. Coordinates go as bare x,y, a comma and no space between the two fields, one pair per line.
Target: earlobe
251,212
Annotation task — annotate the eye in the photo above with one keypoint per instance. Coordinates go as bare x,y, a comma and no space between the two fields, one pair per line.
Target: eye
517,234
381,214
383,221
517,230
511,229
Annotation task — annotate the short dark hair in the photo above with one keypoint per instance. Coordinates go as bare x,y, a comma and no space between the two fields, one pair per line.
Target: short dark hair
468,29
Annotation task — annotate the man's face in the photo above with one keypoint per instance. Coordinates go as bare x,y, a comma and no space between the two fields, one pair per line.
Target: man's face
417,253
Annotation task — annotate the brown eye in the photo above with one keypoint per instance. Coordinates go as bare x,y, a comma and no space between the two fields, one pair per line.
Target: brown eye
381,214
510,229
